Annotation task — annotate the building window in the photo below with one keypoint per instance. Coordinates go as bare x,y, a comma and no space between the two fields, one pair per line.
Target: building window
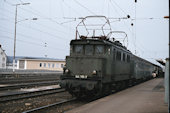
48,65
3,65
40,64
3,59
44,64
57,65
62,65
53,65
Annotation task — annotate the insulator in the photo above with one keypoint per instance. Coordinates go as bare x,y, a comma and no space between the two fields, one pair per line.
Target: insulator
128,16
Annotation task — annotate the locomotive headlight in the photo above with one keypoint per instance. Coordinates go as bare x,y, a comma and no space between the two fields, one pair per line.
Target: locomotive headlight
66,71
94,72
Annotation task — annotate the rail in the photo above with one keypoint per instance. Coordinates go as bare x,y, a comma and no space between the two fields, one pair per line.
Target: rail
24,95
50,105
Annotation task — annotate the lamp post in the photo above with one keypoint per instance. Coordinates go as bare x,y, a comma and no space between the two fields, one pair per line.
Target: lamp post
16,5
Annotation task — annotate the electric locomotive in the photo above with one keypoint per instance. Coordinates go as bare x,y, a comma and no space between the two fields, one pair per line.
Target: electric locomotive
97,64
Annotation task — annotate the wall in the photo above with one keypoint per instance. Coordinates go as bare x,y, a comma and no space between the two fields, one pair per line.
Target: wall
3,58
44,65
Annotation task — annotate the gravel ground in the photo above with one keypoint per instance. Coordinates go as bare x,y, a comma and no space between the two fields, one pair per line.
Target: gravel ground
65,107
30,103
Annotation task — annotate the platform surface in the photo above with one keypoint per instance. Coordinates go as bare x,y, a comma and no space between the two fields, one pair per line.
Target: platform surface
147,97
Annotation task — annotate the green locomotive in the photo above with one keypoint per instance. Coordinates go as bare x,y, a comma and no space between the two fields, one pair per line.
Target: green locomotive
96,65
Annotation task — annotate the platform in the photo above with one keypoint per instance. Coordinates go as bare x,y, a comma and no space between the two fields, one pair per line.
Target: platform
147,97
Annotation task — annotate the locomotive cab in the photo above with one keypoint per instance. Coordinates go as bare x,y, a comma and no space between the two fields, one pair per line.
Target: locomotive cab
86,65
87,57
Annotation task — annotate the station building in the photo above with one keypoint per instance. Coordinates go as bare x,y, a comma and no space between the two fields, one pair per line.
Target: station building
40,64
3,58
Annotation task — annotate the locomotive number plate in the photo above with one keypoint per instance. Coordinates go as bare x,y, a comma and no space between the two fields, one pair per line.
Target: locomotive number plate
81,76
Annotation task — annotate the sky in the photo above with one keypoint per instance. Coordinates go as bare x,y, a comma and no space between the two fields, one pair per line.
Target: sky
51,33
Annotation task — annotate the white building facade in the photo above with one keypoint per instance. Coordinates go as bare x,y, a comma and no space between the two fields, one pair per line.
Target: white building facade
40,64
3,58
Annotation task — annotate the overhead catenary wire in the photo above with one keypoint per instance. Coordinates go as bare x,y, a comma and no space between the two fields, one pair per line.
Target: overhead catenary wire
135,25
33,43
35,12
119,7
132,32
84,7
75,11
47,18
47,33
45,27
50,34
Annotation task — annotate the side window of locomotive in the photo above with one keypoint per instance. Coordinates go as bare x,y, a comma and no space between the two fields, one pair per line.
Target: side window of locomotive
128,58
99,49
78,49
89,50
71,49
114,55
118,55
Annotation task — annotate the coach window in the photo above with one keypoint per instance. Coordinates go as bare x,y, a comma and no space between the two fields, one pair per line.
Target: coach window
78,49
118,55
89,50
124,57
99,49
128,58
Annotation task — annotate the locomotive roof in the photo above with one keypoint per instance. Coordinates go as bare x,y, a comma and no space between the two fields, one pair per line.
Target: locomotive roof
99,41
106,42
146,61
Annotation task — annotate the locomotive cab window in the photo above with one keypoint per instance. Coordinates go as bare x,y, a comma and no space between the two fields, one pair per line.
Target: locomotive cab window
78,49
99,49
89,50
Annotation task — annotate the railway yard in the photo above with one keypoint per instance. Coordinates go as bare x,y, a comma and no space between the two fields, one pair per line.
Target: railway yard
40,93
34,93
100,56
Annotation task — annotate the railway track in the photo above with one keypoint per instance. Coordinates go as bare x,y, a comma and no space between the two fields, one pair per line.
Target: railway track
42,108
32,94
27,85
27,80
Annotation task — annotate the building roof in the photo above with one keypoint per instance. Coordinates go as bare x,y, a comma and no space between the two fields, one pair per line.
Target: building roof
10,58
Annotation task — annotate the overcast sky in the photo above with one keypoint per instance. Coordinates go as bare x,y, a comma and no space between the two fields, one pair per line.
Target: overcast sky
51,33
